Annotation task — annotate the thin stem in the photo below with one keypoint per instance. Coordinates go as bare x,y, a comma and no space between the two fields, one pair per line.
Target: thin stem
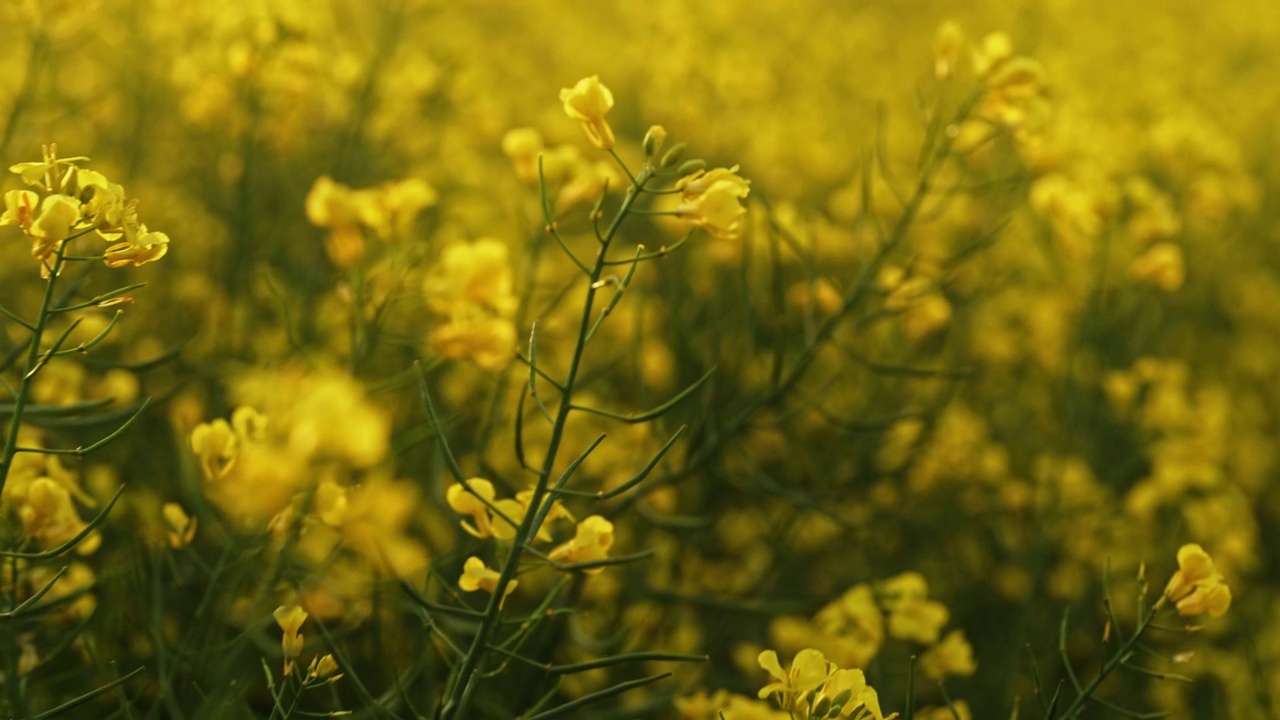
28,375
459,693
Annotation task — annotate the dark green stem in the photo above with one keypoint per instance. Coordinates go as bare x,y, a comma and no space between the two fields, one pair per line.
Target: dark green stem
459,693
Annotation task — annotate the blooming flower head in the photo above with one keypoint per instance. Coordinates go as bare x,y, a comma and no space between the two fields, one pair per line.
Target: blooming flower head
290,619
477,576
588,102
1196,586
591,543
19,208
808,671
712,200
471,500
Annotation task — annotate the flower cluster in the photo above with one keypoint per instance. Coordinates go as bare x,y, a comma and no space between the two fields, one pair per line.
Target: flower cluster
471,289
813,687
388,211
70,202
489,517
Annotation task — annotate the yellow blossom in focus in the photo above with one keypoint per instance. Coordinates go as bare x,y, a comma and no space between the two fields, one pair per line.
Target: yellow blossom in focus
477,576
808,671
712,200
1196,586
590,543
322,668
58,213
471,500
144,247
588,102
19,208
290,619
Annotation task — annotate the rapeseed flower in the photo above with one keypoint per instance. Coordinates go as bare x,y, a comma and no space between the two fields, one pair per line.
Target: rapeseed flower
588,102
1197,587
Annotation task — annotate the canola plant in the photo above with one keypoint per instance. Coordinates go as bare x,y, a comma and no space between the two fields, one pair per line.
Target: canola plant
720,360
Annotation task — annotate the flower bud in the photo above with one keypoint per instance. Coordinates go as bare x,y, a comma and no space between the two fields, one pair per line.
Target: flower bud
690,167
672,156
653,140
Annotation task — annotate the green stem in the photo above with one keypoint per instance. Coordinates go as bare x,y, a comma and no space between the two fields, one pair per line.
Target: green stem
28,372
460,690
17,701
1115,661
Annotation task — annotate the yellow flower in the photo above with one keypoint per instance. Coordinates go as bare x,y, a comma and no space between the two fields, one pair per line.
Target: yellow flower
1213,598
588,102
523,146
19,209
467,501
477,576
322,667
591,543
58,213
49,516
182,527
216,446
143,247
952,656
808,671
106,202
911,615
1194,567
290,619
330,503
946,49
712,200
1197,587
1162,265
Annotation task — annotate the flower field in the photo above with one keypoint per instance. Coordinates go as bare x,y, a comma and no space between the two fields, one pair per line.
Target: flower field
710,361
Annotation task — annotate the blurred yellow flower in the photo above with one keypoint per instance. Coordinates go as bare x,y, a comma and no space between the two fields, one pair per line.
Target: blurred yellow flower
952,656
946,49
1162,265
181,526
588,102
19,208
216,445
523,146
911,615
